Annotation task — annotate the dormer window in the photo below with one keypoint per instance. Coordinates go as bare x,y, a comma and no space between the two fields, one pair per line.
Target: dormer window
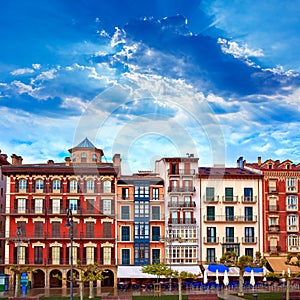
83,157
94,157
270,166
288,166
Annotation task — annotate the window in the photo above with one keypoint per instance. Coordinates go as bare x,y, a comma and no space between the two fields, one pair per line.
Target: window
292,202
248,194
141,253
155,233
21,225
141,230
39,185
106,255
188,217
141,190
107,231
292,223
106,186
73,205
56,206
141,209
249,252
21,205
22,255
155,256
187,201
22,185
38,229
74,252
73,186
249,214
210,194
90,229
229,234
83,157
38,254
174,200
291,184
125,212
125,193
90,255
210,255
293,242
249,234
155,194
125,253
155,213
74,157
38,206
94,157
211,234
56,185
55,255
90,204
56,229
229,211
210,213
107,207
272,185
90,186
228,194
125,233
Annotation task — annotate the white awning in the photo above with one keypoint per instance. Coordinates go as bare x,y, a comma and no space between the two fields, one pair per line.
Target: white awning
136,271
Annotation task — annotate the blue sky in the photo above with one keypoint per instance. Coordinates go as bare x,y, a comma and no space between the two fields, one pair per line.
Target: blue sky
148,79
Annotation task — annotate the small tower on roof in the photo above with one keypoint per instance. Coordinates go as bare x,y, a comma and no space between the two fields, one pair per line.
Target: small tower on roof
86,152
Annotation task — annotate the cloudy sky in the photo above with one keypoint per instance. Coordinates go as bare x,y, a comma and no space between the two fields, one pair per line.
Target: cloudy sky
149,79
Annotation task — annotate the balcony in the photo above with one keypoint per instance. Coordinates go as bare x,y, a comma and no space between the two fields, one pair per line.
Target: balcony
181,172
182,204
182,221
292,228
292,208
273,208
249,240
249,199
272,190
274,228
211,240
187,189
293,249
230,240
230,218
211,199
230,199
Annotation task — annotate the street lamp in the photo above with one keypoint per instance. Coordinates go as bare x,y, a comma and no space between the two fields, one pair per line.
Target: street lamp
168,238
69,224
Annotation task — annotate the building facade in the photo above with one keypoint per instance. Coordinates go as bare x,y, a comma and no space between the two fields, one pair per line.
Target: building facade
140,222
231,212
281,192
182,211
37,199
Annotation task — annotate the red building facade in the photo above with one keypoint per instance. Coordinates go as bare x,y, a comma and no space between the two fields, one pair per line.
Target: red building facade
36,203
281,192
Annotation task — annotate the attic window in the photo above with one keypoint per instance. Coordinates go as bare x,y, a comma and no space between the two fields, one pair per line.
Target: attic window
270,166
288,166
94,157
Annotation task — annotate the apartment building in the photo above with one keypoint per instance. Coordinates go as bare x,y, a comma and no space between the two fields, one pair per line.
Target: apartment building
140,222
281,192
231,212
182,211
37,198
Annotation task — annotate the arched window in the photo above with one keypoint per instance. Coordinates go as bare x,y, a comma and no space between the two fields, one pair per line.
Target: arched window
73,186
292,203
292,223
94,157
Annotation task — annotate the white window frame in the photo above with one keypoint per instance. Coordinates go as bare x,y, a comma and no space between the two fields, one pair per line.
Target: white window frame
38,206
292,203
107,206
22,205
291,184
90,255
292,223
55,255
56,206
106,255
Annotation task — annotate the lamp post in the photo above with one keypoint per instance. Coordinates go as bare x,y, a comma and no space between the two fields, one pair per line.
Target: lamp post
69,224
170,238
17,283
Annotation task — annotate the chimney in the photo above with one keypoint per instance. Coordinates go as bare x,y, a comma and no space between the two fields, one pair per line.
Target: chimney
67,160
240,162
16,160
259,160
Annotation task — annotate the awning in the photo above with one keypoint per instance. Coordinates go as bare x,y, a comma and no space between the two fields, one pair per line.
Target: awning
278,265
136,271
258,272
211,270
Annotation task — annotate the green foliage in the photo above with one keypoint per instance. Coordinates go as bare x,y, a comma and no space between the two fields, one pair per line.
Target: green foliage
157,269
91,272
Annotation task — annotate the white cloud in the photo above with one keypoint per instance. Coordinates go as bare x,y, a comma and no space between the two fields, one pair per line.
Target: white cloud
46,75
74,103
36,66
118,37
22,71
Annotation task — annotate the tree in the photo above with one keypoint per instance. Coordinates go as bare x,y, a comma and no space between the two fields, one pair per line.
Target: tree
18,270
230,259
180,276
